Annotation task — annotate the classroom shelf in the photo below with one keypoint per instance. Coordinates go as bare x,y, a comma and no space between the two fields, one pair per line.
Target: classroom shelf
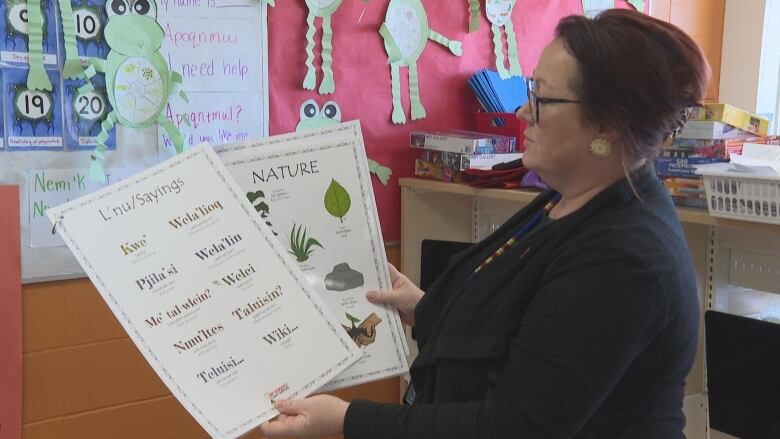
688,215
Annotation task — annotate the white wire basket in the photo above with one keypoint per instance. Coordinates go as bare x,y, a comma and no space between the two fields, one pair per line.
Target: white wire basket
742,196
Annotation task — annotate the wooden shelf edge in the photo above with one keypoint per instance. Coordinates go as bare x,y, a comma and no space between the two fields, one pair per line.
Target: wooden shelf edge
688,215
522,195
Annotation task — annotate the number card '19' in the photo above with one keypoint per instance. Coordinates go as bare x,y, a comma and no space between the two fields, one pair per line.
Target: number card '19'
33,118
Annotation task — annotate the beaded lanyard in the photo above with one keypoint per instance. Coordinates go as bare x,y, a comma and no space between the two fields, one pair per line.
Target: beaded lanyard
519,234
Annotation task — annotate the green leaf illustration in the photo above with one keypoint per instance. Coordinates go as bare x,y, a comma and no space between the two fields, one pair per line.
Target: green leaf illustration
352,318
337,201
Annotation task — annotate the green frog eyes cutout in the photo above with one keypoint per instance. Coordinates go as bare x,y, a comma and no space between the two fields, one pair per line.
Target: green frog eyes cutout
312,118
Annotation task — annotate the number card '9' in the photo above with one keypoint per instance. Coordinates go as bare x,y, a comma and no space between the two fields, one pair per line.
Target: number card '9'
14,28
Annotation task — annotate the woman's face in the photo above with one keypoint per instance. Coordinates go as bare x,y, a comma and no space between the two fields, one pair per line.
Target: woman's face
557,145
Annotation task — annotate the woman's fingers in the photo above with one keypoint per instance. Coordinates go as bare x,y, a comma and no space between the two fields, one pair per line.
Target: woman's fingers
283,425
382,297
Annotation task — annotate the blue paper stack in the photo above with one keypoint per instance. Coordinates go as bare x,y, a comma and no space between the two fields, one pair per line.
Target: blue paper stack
498,95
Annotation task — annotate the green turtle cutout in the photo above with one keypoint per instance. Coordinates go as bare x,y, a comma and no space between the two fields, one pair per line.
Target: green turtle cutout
405,33
313,118
138,81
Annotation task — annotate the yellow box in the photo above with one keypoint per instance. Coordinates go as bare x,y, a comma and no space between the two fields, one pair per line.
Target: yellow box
733,116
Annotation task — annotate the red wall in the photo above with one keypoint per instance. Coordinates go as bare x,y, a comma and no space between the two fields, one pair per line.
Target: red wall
363,76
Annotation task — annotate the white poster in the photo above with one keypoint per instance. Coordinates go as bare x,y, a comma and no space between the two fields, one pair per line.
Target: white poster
201,285
219,47
313,190
216,118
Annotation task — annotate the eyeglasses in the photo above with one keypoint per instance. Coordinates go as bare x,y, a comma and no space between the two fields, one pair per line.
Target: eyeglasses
535,101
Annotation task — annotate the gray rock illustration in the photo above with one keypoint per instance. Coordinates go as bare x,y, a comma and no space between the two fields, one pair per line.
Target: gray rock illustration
343,278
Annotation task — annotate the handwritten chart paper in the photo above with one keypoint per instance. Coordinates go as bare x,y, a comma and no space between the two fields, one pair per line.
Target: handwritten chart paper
220,49
10,316
56,186
314,190
204,289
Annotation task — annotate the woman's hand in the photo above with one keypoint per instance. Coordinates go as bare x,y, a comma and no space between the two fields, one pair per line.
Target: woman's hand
319,415
404,296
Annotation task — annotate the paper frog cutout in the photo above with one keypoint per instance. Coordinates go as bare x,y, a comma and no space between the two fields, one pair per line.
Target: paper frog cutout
138,81
324,9
312,118
405,33
499,13
591,8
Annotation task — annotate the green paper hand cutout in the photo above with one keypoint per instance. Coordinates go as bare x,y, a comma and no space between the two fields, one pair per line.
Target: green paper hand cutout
381,172
137,77
312,118
499,13
405,33
324,9
37,78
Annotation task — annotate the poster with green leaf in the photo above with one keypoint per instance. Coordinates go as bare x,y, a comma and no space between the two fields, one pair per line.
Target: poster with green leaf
313,189
337,200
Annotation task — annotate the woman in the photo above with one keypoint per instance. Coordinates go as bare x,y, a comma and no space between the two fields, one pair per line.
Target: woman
578,317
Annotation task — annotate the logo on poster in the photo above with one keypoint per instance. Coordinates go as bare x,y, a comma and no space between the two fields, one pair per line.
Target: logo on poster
275,393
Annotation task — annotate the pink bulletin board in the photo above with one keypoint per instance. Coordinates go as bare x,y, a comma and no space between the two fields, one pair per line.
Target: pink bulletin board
10,315
362,75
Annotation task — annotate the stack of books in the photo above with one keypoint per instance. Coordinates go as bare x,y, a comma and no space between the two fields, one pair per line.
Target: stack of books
723,121
446,155
712,133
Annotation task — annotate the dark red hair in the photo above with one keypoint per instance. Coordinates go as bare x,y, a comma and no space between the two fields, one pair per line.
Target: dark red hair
637,76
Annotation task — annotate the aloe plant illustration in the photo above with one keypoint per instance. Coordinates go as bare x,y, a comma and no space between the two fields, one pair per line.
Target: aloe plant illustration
301,245
337,201
256,198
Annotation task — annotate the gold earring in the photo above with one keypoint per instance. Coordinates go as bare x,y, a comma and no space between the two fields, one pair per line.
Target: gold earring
600,148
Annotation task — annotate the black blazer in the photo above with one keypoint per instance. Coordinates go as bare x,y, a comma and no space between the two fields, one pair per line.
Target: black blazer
586,328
